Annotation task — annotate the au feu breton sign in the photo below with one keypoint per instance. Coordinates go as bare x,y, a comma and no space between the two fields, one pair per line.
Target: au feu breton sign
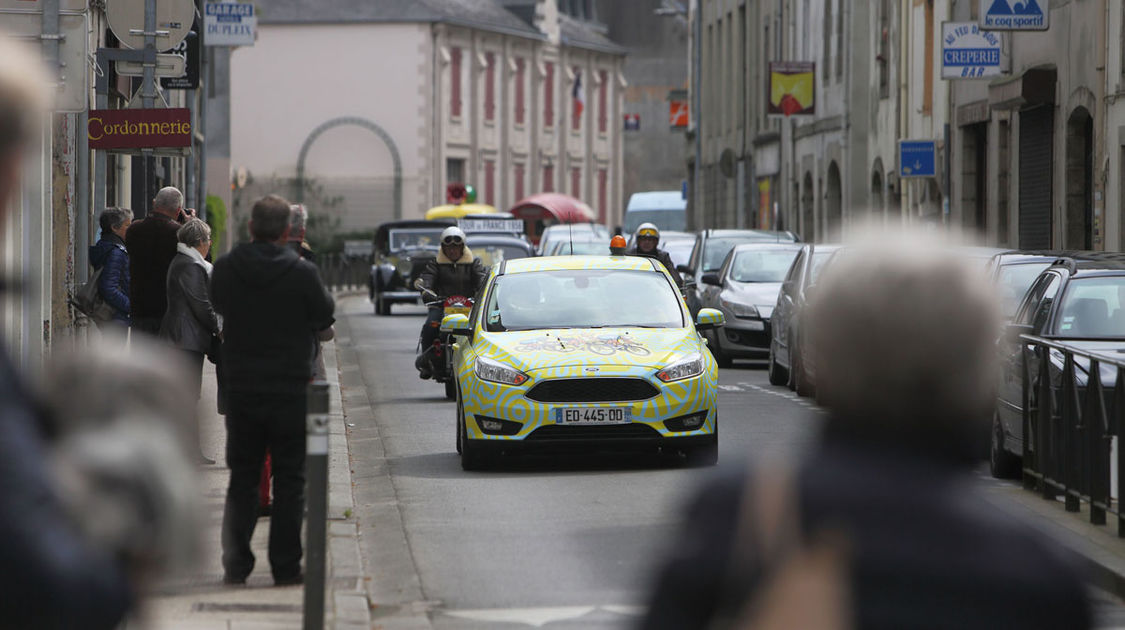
139,128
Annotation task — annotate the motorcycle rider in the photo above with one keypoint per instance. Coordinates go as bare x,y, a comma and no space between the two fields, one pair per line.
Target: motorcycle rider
455,271
645,243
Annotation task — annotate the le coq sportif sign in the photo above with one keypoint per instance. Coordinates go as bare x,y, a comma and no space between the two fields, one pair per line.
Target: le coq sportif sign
139,128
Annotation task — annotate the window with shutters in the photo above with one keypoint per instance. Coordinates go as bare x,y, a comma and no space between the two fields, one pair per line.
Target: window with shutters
490,182
548,178
490,86
576,182
549,95
603,180
517,182
519,109
603,115
455,82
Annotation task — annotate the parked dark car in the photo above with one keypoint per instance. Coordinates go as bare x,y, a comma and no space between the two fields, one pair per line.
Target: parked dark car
1013,272
745,289
1079,301
402,249
787,356
711,248
494,248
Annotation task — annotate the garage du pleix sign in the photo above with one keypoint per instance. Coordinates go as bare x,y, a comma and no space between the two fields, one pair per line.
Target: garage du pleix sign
139,128
967,52
229,24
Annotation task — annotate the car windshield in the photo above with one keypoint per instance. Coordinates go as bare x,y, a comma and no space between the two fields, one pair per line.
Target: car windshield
680,251
414,238
1093,308
582,298
490,254
769,265
715,249
1014,281
580,248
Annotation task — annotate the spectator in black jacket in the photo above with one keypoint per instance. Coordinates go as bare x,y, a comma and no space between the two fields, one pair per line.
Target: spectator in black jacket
50,576
884,511
273,303
109,252
152,245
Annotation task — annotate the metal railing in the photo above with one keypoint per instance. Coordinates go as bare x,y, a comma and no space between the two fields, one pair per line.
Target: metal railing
342,273
1069,428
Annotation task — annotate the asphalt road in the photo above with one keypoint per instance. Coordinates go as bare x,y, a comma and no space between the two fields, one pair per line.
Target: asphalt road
544,541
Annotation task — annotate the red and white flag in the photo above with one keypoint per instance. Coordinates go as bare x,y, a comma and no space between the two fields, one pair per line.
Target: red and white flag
579,94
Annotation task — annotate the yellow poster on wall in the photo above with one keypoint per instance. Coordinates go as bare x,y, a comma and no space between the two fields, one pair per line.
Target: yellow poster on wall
792,88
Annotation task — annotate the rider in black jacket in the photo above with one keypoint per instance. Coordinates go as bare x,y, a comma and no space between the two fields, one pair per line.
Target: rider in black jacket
645,243
455,271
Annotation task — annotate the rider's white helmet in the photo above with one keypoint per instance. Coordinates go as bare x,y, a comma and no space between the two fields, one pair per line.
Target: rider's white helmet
452,235
647,229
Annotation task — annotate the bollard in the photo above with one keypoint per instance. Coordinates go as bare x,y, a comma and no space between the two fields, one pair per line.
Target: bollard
316,496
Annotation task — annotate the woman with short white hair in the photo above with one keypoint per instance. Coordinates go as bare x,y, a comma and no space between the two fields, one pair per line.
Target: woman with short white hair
190,323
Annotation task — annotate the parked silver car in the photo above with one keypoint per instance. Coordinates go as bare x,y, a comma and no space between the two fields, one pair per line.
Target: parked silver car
745,289
788,364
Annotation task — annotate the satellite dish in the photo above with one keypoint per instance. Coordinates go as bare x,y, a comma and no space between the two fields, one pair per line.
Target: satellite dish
726,163
127,21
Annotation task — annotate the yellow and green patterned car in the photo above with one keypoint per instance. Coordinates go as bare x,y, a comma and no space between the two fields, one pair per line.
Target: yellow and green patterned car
583,352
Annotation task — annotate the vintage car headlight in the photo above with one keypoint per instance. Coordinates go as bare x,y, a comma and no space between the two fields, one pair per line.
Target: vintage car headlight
737,309
685,368
499,373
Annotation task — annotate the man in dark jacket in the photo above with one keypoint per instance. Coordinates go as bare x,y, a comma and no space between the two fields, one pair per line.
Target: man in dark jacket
889,491
455,271
273,303
50,576
152,245
110,253
646,242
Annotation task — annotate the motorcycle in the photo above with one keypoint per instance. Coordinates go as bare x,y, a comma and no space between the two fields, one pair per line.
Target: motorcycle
440,354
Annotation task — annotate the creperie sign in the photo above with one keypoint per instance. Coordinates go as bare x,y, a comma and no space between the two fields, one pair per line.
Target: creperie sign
139,128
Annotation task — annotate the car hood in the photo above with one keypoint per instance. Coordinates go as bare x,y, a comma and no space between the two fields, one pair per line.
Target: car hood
1114,349
762,295
532,350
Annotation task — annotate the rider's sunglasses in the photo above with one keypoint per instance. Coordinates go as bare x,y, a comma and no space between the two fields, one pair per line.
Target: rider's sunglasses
452,240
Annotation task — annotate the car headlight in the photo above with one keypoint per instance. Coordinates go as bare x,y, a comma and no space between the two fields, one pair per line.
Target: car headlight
685,368
499,373
737,309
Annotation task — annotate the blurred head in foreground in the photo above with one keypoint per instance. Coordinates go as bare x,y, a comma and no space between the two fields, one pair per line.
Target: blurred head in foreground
902,335
23,103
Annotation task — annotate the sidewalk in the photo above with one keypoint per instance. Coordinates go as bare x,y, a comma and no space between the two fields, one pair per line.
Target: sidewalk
198,600
1100,551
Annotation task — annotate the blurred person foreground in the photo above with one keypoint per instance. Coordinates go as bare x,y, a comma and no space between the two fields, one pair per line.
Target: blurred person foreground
880,525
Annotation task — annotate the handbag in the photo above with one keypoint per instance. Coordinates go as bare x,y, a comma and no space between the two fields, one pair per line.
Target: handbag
88,300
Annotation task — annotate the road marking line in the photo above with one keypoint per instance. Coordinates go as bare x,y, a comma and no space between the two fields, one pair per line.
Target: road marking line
539,617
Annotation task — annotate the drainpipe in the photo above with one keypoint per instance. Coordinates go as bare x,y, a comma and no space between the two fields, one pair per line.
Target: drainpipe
1100,154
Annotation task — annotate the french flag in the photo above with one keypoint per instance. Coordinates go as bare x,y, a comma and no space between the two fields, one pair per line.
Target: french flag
579,94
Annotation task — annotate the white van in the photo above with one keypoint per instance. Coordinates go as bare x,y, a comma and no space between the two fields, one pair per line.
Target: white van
667,209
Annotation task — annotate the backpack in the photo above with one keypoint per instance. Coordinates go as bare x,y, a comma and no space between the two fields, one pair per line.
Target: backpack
88,299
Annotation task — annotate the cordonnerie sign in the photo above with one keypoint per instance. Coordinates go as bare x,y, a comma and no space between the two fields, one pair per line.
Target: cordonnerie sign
139,128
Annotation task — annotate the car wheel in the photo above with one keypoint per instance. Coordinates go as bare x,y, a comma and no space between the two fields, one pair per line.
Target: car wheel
450,389
778,375
722,358
706,455
460,419
382,306
799,379
473,456
1002,463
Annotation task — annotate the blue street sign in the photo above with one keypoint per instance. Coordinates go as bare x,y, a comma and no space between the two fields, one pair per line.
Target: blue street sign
917,158
967,52
1015,15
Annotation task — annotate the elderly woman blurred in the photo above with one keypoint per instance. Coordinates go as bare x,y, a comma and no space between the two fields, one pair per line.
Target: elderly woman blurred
190,322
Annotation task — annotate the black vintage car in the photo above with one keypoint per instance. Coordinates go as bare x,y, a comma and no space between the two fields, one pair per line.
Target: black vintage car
402,249
1079,301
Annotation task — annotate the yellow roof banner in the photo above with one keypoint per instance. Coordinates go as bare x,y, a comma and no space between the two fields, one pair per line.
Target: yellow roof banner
792,88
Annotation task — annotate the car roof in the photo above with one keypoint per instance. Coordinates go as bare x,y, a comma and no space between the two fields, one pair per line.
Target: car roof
496,239
1017,257
657,200
1094,263
792,247
564,263
762,234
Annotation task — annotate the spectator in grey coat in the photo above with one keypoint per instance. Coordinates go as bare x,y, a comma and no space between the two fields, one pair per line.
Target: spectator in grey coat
190,323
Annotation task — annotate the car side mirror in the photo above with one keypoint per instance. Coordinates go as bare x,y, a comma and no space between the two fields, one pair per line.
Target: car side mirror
712,279
709,318
457,325
1012,332
684,269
